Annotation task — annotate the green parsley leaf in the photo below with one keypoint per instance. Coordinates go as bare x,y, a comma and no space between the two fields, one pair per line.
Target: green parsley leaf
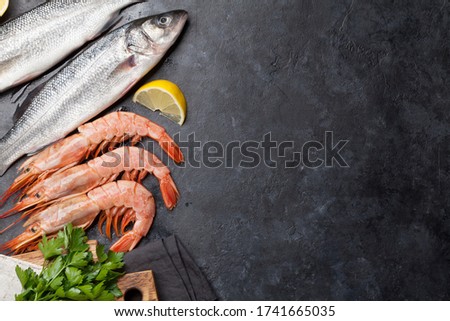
70,272
76,240
101,276
53,269
98,289
73,276
56,283
24,295
116,259
41,287
75,294
60,292
51,248
78,259
87,290
26,276
102,256
105,296
114,290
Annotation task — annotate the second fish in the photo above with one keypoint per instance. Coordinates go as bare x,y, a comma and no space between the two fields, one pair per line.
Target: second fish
36,41
93,81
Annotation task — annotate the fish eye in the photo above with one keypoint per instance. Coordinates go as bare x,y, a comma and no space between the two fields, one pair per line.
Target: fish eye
164,21
37,195
33,229
27,170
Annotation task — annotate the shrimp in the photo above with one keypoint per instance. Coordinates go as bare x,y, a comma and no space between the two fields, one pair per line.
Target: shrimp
92,139
122,199
134,161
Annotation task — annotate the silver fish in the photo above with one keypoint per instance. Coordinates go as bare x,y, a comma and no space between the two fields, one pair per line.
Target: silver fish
36,41
94,80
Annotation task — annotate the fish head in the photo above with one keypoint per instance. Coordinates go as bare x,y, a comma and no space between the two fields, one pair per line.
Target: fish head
156,34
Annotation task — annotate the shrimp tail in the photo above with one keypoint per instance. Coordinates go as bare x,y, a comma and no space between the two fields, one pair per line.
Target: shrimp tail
171,148
127,242
169,192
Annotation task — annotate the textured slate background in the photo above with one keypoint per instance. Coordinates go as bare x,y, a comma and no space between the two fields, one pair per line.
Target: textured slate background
374,74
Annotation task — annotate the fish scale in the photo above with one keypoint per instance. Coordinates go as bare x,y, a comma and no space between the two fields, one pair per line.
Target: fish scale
41,38
90,83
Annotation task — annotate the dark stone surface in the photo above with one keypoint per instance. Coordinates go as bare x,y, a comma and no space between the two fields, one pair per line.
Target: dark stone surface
373,73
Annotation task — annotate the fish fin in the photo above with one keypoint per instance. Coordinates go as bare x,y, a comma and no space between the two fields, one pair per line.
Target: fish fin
117,18
22,108
131,61
132,3
19,93
27,78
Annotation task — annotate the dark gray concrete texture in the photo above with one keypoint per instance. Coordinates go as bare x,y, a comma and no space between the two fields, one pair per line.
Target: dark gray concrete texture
374,73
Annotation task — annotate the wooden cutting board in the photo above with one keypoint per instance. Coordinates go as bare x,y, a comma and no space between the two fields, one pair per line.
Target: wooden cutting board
135,286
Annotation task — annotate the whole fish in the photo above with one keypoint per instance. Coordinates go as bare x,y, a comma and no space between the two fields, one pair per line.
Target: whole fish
36,41
94,80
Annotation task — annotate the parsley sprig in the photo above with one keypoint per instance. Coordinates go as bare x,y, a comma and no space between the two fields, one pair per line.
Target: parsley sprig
70,272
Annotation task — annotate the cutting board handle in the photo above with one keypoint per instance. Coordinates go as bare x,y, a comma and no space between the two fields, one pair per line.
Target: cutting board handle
139,286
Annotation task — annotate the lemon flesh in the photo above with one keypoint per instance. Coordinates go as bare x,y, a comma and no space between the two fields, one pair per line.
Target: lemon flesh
3,6
164,96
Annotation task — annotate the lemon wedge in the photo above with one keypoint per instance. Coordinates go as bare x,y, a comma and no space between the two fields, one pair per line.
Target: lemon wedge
3,6
164,96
